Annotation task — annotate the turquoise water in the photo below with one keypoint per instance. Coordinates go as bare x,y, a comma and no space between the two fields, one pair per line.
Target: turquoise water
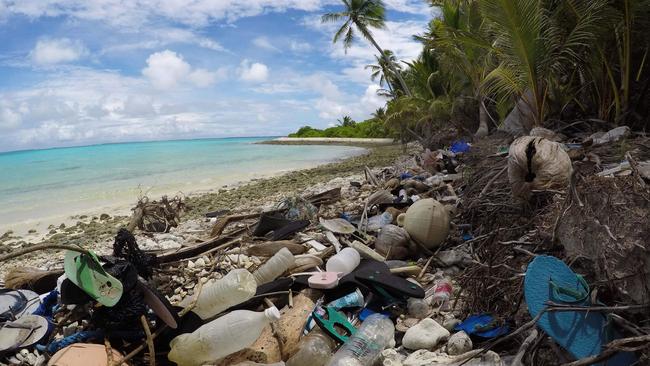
39,185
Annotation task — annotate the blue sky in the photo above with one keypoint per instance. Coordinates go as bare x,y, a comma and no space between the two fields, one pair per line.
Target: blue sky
75,72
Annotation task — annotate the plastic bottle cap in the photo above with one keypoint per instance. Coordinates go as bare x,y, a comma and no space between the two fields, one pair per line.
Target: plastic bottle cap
272,314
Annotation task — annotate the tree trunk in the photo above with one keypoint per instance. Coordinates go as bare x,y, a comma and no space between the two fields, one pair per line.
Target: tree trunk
483,129
390,65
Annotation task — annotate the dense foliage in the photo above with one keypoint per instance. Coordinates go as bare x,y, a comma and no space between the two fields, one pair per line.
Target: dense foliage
562,63
371,128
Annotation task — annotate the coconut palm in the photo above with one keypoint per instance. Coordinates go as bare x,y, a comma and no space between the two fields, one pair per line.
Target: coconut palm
363,15
459,35
347,121
381,70
535,48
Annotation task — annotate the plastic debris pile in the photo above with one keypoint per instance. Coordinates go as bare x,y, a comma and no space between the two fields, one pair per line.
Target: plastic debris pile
427,262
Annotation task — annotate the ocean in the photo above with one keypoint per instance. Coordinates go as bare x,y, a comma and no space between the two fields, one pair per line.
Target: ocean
39,187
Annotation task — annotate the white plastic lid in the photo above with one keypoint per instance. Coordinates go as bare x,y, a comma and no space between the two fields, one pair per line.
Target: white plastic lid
272,313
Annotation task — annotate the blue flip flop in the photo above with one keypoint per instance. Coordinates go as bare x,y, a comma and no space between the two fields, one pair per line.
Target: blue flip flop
483,326
582,333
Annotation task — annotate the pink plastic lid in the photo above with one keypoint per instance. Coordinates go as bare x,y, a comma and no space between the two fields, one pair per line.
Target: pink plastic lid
324,280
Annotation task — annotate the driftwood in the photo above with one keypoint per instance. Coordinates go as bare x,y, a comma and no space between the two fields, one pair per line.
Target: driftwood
221,224
199,249
156,216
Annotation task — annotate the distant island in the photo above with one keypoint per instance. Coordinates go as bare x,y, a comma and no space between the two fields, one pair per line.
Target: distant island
348,128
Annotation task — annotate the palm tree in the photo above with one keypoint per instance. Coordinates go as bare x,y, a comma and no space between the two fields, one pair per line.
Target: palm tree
363,15
381,70
459,34
379,114
347,121
535,48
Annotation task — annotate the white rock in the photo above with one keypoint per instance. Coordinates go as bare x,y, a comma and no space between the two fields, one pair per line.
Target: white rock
425,335
459,343
390,357
200,262
450,323
190,265
426,358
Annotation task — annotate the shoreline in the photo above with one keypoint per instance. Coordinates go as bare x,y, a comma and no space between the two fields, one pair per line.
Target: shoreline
343,141
98,231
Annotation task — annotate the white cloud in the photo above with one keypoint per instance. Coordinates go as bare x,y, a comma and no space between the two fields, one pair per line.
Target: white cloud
167,69
9,118
56,51
264,43
299,47
137,14
255,72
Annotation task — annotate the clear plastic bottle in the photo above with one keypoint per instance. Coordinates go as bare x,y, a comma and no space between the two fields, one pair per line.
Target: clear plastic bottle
378,221
274,267
364,347
220,337
344,261
313,350
216,296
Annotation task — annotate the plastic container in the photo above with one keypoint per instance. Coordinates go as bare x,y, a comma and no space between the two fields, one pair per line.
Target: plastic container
352,300
378,221
364,347
216,296
274,267
344,261
418,308
442,292
315,349
220,337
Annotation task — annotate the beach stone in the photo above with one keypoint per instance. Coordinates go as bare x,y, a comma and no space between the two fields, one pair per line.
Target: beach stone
425,335
426,358
451,323
459,343
390,357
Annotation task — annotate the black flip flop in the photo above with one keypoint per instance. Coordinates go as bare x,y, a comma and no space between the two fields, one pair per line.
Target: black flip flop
288,230
269,221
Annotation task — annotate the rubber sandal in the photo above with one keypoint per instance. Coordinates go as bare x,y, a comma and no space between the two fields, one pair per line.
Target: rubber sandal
582,333
24,332
269,221
17,303
86,272
288,230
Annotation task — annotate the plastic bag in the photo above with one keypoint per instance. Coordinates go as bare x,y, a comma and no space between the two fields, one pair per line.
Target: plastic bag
535,163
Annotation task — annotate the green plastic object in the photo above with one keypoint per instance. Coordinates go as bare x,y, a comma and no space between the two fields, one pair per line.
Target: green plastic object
334,318
87,273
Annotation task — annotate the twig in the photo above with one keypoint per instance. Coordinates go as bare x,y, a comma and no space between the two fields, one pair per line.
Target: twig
276,331
424,269
524,348
147,331
191,306
612,348
491,181
46,246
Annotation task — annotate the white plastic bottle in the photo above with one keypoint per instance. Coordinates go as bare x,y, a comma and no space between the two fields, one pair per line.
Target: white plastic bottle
274,267
364,347
220,337
216,296
344,261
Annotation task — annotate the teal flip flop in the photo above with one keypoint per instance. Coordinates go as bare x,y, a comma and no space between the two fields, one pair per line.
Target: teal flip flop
582,333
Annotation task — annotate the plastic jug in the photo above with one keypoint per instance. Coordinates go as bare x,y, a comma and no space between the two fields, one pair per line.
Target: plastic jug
220,337
313,350
274,267
364,347
344,261
216,296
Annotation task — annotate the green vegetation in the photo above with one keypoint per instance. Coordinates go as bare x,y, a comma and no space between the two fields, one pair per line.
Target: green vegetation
371,128
565,63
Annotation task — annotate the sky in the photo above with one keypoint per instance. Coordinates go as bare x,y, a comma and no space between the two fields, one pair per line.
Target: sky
80,72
